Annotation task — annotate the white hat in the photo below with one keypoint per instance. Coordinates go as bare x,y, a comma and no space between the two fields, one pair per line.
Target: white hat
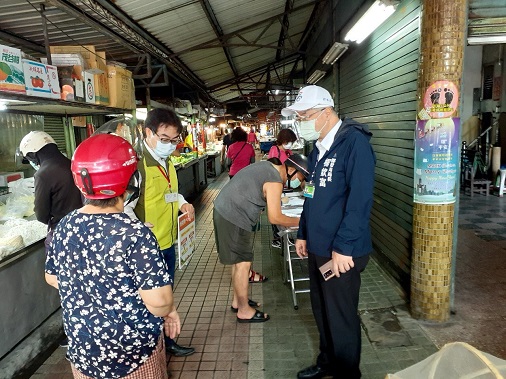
34,141
309,97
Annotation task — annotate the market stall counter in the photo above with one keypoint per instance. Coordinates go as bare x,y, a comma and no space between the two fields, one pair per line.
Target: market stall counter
191,173
27,300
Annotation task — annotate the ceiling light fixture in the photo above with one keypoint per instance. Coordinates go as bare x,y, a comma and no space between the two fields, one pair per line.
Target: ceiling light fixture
335,52
316,76
372,18
486,40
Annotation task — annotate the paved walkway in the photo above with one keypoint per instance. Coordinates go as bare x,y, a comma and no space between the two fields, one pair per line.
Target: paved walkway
392,340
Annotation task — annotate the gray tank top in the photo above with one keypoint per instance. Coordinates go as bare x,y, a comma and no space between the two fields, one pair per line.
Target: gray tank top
242,199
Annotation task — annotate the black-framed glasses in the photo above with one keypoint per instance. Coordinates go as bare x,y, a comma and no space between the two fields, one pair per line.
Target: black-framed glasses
173,141
307,117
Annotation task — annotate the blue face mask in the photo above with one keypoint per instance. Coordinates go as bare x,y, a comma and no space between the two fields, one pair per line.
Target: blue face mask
34,165
295,183
163,150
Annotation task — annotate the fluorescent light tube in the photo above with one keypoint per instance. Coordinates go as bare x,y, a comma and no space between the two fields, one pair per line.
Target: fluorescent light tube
334,53
316,76
486,40
374,17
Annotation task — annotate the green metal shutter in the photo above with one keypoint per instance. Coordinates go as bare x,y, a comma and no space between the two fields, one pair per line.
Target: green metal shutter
53,125
378,86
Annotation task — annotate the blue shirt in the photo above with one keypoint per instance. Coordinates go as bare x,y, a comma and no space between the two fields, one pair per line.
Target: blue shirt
101,261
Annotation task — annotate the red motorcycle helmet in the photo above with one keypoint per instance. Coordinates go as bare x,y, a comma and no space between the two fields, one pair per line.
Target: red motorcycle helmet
102,166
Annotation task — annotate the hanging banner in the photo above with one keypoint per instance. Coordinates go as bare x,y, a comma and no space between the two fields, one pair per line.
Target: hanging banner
436,160
440,100
186,239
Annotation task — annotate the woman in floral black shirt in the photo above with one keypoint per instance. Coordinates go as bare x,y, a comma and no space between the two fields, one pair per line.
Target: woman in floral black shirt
114,285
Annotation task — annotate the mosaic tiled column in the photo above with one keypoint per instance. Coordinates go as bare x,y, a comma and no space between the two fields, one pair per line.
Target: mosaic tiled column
441,59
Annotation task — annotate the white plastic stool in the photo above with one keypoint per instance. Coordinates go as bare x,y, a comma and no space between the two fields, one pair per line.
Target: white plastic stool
500,176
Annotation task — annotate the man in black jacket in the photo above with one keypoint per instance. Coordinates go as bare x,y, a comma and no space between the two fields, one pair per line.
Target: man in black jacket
55,191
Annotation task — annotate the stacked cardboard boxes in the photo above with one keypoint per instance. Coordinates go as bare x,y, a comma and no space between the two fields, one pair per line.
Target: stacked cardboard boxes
121,87
91,71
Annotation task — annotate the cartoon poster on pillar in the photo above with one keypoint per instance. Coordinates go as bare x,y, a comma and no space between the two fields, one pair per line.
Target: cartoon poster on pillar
440,100
436,160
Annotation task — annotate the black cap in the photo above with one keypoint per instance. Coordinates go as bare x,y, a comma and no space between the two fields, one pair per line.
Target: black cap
300,163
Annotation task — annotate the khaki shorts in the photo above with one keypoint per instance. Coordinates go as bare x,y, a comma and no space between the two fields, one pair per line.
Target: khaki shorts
234,244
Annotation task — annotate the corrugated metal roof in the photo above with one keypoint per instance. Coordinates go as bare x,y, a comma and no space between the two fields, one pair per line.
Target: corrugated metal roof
487,18
210,45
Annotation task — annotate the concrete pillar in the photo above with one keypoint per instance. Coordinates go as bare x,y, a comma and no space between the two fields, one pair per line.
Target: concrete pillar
443,26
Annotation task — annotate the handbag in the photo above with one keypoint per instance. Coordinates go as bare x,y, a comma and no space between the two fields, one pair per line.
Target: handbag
229,160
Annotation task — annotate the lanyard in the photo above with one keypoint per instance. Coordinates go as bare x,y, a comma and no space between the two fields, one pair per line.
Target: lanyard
311,180
165,176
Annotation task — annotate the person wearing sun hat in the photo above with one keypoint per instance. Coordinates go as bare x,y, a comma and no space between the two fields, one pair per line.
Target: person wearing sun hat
334,227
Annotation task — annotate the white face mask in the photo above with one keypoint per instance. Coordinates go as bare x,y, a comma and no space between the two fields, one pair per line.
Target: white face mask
163,150
287,146
308,131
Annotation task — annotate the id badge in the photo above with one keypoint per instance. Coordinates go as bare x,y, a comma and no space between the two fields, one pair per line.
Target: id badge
170,197
309,190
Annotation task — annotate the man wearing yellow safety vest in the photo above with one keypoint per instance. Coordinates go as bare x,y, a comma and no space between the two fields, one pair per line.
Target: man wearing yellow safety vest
159,201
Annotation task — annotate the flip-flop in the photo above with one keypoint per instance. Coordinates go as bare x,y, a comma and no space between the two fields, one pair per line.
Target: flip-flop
261,278
251,303
257,317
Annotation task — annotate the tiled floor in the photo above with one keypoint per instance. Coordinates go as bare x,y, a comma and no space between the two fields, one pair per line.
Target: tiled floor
289,341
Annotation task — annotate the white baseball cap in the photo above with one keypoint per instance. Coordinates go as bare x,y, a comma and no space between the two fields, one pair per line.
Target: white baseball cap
309,97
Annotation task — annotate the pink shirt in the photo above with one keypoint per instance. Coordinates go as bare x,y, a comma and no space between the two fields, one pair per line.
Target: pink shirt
243,156
252,137
276,152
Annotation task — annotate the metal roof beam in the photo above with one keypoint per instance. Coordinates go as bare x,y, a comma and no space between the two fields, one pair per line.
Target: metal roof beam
284,27
222,41
133,33
211,17
284,61
11,38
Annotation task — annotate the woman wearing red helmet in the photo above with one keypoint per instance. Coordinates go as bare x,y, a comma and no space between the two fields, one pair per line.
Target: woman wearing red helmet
114,285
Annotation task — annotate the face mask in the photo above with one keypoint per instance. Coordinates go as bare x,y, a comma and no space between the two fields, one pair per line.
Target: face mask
287,146
34,165
295,183
163,150
307,129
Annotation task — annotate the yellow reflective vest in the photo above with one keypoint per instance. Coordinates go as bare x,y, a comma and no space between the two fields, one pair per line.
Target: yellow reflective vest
152,206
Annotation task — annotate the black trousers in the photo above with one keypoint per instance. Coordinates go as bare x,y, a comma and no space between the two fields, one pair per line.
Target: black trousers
335,309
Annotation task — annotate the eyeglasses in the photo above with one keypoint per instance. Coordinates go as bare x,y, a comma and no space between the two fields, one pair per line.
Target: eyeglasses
309,116
173,141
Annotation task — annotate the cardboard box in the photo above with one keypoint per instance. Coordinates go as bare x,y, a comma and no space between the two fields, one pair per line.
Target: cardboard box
12,78
36,79
89,87
102,89
79,121
94,61
100,64
67,60
54,83
121,88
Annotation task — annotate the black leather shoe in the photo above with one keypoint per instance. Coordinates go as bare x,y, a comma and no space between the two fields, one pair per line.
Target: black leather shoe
179,351
312,372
